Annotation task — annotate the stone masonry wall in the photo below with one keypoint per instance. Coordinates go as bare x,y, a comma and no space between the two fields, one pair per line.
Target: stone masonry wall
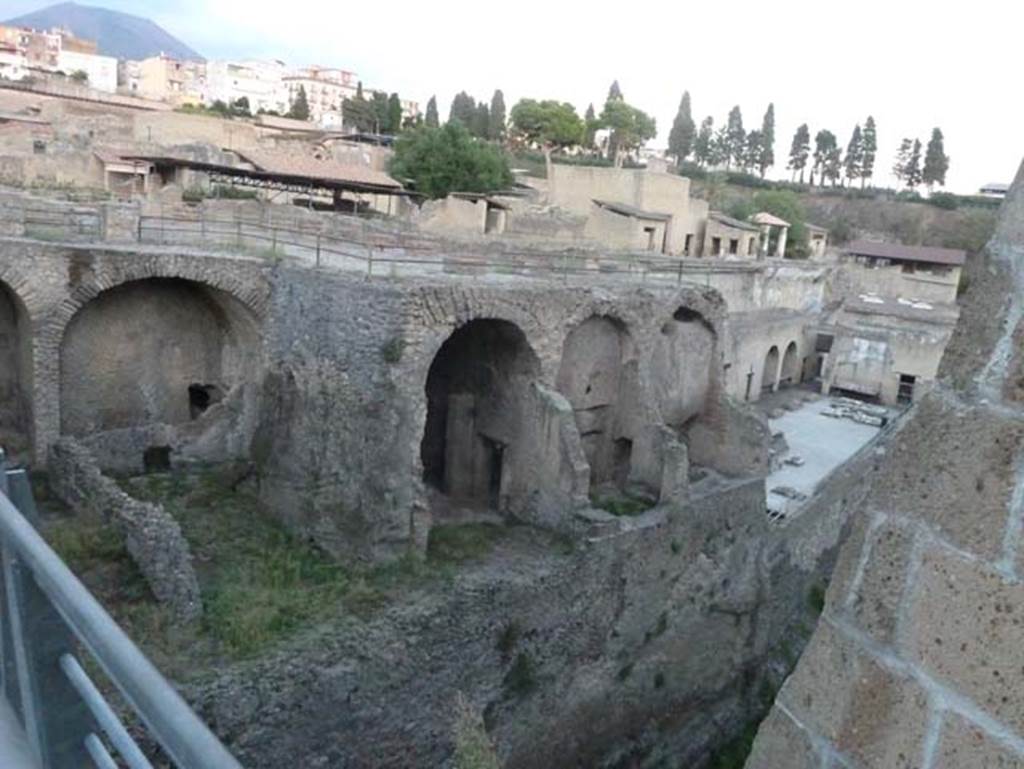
916,663
152,537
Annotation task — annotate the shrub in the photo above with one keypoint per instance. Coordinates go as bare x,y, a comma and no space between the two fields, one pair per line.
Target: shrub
521,678
507,639
816,598
945,200
391,351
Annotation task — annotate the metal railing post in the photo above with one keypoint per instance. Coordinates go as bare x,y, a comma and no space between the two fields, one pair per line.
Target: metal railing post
318,250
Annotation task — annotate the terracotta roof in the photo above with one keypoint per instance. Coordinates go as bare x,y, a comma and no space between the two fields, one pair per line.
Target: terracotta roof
929,254
627,210
729,221
766,218
311,168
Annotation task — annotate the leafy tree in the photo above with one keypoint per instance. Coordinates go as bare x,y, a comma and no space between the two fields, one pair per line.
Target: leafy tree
496,126
630,127
870,146
394,124
737,137
854,164
824,144
591,124
899,168
702,145
766,157
299,109
463,109
551,124
912,171
447,159
799,151
615,93
936,162
680,139
481,127
240,107
80,76
431,119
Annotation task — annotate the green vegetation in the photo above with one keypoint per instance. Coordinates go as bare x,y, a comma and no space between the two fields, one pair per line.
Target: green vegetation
733,755
816,598
458,543
473,746
659,680
299,109
448,159
625,671
508,638
521,678
621,505
391,351
260,584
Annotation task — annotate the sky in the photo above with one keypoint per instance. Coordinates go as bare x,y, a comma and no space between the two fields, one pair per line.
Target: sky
912,65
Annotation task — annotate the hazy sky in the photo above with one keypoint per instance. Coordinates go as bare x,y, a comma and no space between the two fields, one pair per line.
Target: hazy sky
913,65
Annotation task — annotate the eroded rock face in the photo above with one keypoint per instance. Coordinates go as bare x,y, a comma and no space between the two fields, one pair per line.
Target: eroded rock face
917,659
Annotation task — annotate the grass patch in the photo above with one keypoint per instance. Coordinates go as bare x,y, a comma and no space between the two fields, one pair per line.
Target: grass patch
391,351
816,598
621,505
458,543
259,583
733,755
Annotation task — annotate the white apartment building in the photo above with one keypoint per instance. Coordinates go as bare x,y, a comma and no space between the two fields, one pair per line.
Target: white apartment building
325,88
261,82
13,64
101,70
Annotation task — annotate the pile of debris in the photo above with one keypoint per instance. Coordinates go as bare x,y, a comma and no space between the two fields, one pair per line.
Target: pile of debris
857,411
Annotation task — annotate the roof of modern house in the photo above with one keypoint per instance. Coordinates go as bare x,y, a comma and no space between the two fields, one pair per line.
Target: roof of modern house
627,210
287,124
928,254
995,187
306,166
770,219
729,221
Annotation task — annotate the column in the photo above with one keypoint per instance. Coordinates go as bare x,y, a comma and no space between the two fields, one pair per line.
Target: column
780,246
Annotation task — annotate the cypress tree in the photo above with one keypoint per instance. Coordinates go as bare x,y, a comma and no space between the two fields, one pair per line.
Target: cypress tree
870,147
463,109
680,139
766,157
936,162
800,150
591,124
496,126
703,143
481,121
300,107
431,119
615,93
394,114
736,138
912,171
855,155
899,168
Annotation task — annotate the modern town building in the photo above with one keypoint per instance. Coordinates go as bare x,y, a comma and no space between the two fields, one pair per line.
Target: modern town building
261,83
100,71
172,80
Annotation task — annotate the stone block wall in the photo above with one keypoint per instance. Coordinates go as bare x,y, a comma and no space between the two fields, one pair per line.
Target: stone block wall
916,663
152,537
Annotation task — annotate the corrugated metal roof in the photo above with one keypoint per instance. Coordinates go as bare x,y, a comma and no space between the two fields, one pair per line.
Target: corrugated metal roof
928,254
312,168
627,210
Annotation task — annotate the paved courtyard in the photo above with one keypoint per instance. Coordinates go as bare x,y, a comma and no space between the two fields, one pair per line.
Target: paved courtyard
822,442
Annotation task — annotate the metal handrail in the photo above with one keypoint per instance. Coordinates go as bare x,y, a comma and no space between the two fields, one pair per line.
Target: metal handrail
29,562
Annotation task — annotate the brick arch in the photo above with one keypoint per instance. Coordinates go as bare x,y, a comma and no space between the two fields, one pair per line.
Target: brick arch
21,286
17,428
244,284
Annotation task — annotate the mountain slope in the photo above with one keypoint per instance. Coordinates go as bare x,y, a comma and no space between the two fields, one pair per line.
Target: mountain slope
117,34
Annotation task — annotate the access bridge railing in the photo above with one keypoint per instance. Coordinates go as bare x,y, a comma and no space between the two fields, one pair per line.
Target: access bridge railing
51,631
412,254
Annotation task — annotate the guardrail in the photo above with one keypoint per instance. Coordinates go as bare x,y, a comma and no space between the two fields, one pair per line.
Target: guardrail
379,255
48,617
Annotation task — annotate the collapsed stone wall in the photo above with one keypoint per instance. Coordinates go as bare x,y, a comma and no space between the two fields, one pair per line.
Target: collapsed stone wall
152,537
916,662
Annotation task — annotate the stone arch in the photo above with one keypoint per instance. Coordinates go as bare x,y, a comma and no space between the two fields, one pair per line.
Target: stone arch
155,350
683,366
598,376
476,390
16,375
790,373
770,372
